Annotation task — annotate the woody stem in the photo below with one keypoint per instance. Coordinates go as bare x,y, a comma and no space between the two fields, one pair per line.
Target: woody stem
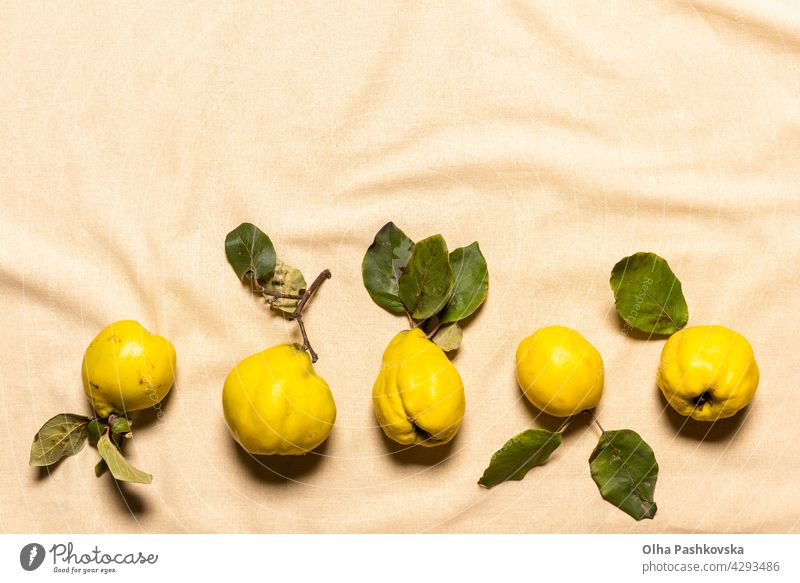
297,315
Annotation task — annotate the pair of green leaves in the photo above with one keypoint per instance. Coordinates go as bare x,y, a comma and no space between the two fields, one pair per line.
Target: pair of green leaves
252,256
66,434
622,465
424,280
647,294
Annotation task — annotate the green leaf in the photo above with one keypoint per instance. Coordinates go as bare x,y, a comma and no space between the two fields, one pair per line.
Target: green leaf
63,435
120,426
95,429
648,296
250,253
100,468
522,452
118,465
427,280
470,283
448,337
383,264
286,280
625,470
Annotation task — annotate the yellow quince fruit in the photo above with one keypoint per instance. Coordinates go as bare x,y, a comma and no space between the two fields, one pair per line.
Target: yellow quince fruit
275,404
418,396
708,372
559,371
125,368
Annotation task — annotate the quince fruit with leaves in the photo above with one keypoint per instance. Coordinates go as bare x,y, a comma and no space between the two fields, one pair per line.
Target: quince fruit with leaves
418,396
708,372
125,368
274,402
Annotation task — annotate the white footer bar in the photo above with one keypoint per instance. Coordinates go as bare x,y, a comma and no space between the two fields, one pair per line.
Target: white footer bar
399,558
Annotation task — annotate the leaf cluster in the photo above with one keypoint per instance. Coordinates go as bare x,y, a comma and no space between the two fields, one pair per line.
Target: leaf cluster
433,287
67,433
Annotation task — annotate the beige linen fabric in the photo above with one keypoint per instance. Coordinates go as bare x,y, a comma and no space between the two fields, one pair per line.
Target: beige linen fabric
561,136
